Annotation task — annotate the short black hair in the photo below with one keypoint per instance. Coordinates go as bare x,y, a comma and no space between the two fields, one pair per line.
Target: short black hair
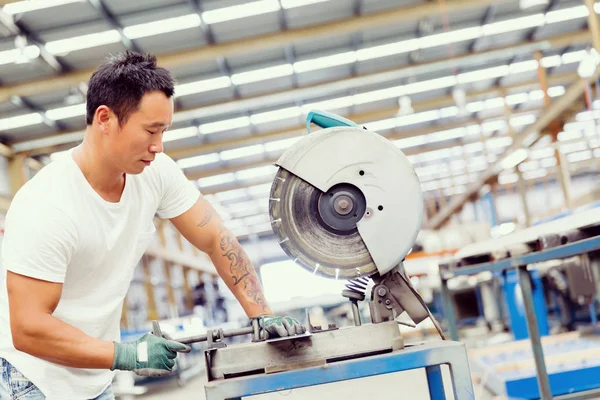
121,82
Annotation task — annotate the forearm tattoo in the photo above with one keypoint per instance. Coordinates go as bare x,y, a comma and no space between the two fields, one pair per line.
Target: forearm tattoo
206,219
241,269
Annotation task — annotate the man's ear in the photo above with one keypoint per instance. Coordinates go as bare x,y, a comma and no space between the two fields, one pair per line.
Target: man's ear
102,118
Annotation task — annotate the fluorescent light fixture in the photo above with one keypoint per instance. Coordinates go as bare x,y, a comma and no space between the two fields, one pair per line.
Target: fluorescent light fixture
205,85
548,162
20,121
64,46
224,125
277,115
504,178
538,154
475,106
573,57
216,180
529,21
342,102
551,61
514,158
528,166
197,161
257,219
178,134
162,26
234,194
566,14
325,62
518,98
573,147
498,142
445,135
20,7
579,156
287,4
382,125
241,152
556,91
473,130
66,112
495,102
445,38
257,172
483,74
491,126
240,11
283,144
385,50
523,66
260,190
473,147
262,74
417,118
539,173
410,142
522,120
11,56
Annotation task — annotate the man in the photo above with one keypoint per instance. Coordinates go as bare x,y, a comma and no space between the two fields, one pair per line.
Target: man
76,231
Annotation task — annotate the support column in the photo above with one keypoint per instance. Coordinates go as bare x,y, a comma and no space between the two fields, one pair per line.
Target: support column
187,289
167,271
152,314
593,24
16,172
562,165
522,186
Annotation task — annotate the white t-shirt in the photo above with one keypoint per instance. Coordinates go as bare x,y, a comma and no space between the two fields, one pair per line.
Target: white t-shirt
59,229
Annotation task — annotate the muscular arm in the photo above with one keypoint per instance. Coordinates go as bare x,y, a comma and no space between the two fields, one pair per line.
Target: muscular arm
37,332
202,226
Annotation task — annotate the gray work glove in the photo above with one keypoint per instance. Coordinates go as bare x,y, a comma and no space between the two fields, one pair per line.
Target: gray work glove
150,355
281,326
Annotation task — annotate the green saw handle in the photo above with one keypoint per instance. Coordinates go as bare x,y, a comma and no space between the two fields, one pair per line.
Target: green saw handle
325,119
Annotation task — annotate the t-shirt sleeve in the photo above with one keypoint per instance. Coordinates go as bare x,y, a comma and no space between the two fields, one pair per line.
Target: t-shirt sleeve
39,241
178,193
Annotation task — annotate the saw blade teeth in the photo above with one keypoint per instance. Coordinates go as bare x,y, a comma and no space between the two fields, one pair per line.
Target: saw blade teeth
276,221
337,273
316,268
274,199
284,240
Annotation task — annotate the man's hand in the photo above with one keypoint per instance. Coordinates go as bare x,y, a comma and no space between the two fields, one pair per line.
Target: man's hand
281,326
148,356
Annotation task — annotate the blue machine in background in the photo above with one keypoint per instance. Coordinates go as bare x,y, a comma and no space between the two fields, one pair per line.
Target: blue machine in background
516,309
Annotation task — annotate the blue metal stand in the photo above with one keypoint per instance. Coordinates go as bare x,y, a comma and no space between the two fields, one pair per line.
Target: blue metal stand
426,355
520,264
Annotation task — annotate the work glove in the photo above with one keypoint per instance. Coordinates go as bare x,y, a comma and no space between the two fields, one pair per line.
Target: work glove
150,355
281,326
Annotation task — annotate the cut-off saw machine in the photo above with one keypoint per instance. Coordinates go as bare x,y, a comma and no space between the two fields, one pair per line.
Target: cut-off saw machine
345,203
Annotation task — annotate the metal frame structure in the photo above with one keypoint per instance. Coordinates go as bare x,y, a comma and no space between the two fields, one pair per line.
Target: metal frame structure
520,263
428,355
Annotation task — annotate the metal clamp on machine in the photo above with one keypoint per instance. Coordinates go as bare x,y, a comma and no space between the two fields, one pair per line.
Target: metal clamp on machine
344,204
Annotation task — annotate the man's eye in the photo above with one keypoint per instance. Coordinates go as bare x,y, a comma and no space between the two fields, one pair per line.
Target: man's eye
150,132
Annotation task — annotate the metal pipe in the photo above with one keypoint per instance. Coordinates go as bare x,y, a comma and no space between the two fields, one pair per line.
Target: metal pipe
448,306
202,338
356,314
534,333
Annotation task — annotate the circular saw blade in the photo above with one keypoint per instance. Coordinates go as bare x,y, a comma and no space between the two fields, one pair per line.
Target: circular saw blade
303,236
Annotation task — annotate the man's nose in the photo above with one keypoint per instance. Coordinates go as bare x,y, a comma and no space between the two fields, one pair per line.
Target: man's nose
157,145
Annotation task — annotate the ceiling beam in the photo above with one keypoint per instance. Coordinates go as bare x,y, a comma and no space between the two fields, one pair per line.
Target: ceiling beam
532,133
58,141
244,46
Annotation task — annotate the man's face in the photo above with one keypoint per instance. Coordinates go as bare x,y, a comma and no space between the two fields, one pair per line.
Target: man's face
133,146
